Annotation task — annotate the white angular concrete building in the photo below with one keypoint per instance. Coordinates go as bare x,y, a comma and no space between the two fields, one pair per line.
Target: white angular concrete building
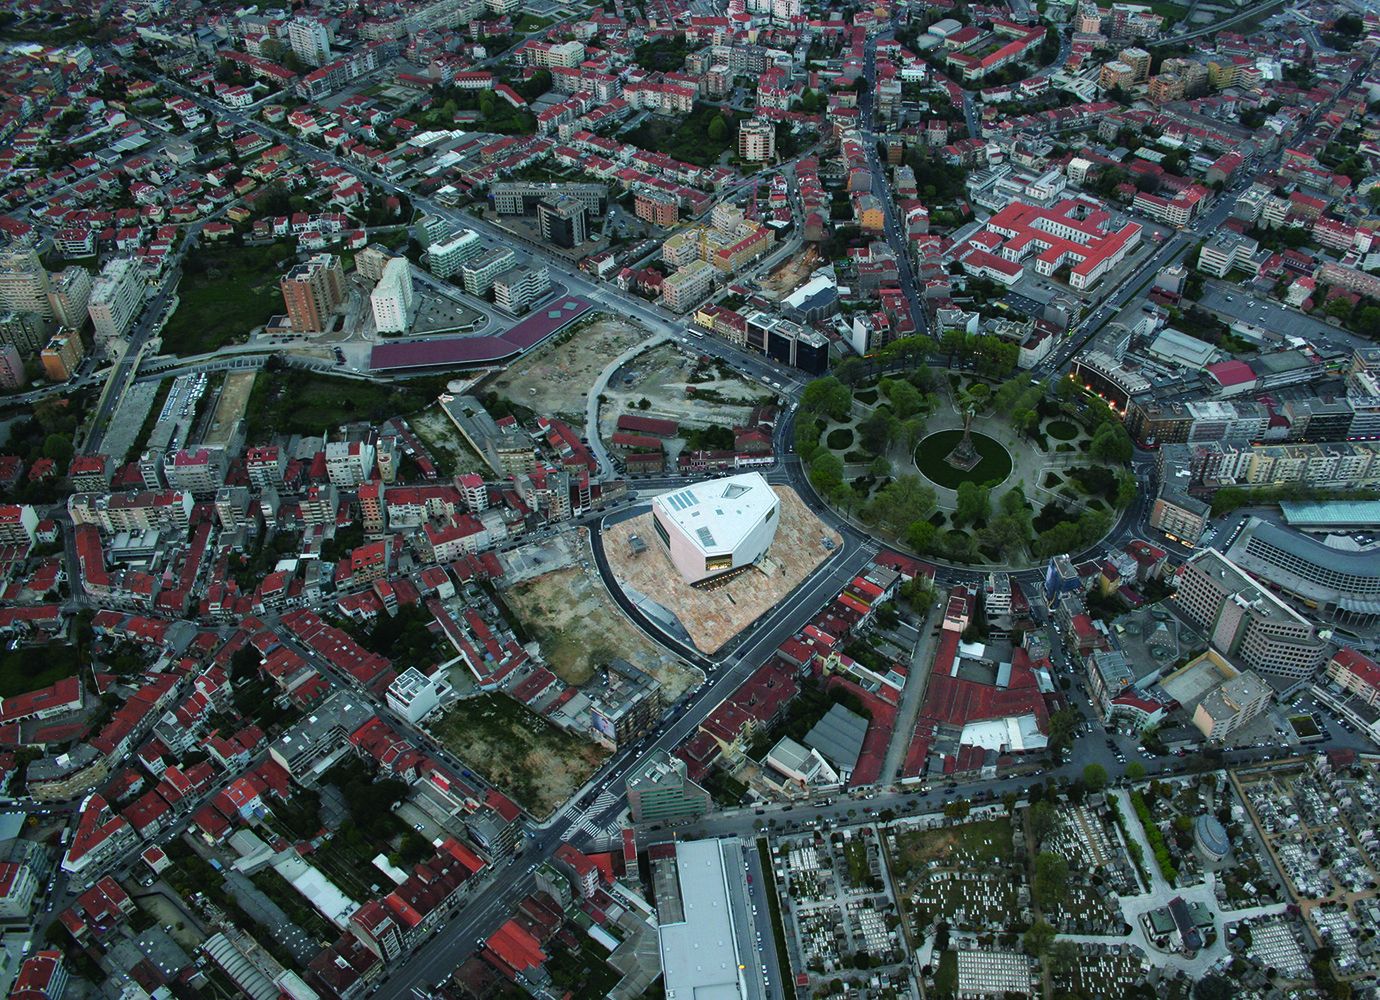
392,297
714,527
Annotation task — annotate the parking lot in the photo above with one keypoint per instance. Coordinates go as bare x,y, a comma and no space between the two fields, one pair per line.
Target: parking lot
1238,307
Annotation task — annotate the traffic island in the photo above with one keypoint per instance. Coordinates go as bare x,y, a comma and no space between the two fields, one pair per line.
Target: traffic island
985,462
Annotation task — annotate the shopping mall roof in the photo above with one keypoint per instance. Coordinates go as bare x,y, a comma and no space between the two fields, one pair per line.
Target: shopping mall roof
462,352
1335,514
1174,345
699,956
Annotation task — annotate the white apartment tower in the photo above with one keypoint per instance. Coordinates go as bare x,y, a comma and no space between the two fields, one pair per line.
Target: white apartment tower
71,295
24,283
518,287
310,39
447,257
756,140
392,297
479,274
115,298
348,463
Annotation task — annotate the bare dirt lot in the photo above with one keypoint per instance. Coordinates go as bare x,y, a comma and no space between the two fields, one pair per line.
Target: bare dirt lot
793,272
436,431
677,385
522,754
580,629
554,379
713,617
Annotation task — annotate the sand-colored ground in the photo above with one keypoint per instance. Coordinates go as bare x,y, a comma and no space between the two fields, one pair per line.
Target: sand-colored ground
580,629
661,375
712,617
554,379
234,396
792,273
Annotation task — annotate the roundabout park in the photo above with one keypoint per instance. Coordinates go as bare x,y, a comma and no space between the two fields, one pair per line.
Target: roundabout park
992,468
961,469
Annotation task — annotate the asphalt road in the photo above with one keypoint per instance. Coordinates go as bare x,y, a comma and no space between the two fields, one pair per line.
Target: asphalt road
488,907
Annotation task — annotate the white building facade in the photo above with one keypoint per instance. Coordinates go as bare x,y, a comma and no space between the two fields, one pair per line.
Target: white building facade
115,299
392,298
716,527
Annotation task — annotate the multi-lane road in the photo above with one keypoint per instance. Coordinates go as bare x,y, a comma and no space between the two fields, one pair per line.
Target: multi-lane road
488,907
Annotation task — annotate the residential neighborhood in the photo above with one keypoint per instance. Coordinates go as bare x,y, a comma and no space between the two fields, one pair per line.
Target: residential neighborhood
755,498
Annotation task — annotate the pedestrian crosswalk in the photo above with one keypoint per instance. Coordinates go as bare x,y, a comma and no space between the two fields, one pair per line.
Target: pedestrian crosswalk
596,831
586,823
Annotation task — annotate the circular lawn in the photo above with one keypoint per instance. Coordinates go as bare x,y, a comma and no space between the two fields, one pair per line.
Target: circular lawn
1061,430
994,467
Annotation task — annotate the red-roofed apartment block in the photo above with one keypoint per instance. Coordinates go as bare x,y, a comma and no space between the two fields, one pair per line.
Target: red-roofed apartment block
1069,234
1355,673
583,871
100,835
43,976
57,699
397,922
513,951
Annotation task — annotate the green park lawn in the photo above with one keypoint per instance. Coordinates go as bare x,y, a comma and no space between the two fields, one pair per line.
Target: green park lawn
931,452
222,296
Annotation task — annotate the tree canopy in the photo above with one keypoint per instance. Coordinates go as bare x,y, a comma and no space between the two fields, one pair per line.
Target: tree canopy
1038,939
827,396
901,503
1051,876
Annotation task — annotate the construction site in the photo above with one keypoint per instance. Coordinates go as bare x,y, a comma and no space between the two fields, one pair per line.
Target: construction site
792,273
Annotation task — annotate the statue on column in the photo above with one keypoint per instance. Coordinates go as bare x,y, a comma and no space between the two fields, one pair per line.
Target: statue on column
965,456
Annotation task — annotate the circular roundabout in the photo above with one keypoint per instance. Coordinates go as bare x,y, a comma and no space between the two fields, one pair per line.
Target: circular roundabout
992,467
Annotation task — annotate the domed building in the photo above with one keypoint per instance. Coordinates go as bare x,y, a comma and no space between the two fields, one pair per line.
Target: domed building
1211,839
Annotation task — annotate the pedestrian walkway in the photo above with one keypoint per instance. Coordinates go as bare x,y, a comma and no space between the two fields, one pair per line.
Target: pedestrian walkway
1161,892
586,824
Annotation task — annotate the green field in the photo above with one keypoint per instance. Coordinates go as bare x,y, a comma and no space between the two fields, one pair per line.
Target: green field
1304,726
297,402
527,23
1061,430
965,846
31,667
839,439
931,452
222,296
946,975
